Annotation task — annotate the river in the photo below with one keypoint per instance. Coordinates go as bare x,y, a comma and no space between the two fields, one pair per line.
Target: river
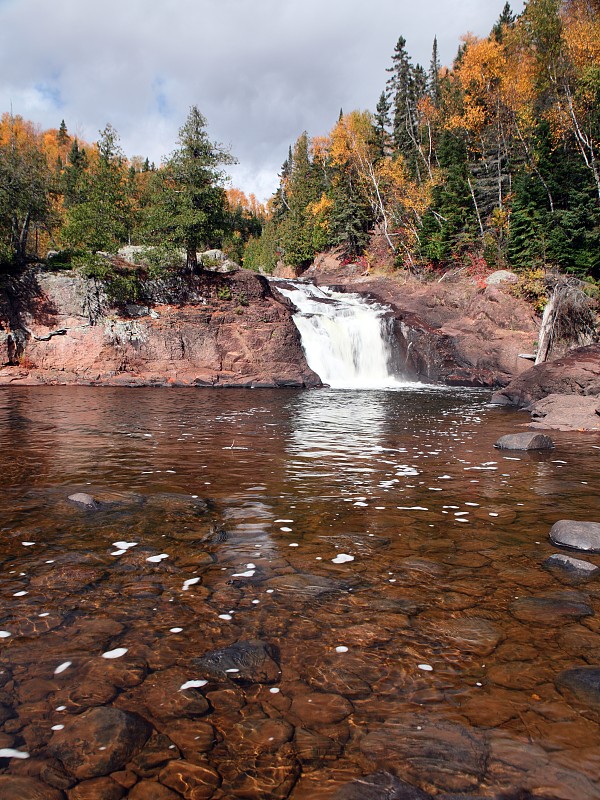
375,544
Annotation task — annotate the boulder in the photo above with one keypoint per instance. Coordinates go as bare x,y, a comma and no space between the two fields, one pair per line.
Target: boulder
84,500
15,787
576,535
578,372
501,276
446,754
566,412
524,441
99,741
573,567
583,683
244,662
552,609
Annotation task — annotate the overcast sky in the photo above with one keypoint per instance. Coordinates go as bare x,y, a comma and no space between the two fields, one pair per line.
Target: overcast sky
261,71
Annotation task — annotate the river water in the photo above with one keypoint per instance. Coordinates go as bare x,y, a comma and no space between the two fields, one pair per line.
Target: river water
375,545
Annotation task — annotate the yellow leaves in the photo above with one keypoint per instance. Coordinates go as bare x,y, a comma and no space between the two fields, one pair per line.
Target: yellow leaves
320,210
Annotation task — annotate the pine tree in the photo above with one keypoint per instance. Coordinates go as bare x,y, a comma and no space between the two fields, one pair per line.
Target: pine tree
99,217
433,76
382,125
304,188
189,200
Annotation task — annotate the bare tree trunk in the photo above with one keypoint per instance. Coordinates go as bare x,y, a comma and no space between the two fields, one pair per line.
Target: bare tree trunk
545,338
192,258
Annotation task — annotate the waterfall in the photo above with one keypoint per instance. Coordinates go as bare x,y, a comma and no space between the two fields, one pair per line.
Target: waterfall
346,339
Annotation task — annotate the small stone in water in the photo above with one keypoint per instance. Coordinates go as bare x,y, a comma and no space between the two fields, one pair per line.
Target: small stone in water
5,634
116,653
175,630
62,667
225,616
274,690
425,667
341,649
342,558
57,727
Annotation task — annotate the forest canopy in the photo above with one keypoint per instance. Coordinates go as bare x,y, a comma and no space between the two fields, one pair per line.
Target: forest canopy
492,161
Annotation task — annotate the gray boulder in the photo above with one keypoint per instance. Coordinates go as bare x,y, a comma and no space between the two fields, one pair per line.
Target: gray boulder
84,500
583,683
576,535
572,567
524,441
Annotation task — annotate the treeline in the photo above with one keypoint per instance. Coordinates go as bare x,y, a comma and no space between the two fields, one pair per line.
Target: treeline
492,161
60,193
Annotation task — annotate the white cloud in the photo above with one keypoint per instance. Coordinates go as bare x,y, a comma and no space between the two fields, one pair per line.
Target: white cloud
261,71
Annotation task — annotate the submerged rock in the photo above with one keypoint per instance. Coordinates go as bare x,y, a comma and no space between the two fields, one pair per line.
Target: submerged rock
524,441
15,787
573,567
576,535
99,741
245,661
583,683
552,609
380,786
84,500
445,754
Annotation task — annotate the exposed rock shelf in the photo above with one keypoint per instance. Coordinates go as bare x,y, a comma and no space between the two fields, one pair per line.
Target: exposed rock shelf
211,330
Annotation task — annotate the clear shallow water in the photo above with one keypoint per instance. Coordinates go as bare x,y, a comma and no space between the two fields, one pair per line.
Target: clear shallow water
375,541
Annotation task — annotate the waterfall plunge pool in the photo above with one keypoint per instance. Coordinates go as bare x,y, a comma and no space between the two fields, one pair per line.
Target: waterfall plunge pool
389,558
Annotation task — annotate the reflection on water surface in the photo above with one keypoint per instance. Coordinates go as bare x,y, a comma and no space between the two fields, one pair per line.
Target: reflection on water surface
355,595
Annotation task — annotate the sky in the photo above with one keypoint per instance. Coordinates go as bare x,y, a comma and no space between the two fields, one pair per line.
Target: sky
261,71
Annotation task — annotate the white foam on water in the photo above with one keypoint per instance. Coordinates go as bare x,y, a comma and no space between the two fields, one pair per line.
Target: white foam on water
248,574
8,752
274,690
20,594
341,649
5,634
286,530
189,582
61,708
57,727
118,552
125,545
175,630
225,616
294,544
192,685
116,653
157,559
425,667
62,667
232,670
342,558
27,544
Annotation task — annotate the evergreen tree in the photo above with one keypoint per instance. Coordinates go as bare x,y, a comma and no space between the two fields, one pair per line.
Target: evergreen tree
382,125
304,188
99,219
433,76
189,201
449,229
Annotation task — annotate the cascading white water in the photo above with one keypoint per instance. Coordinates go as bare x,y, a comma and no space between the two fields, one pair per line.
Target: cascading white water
345,338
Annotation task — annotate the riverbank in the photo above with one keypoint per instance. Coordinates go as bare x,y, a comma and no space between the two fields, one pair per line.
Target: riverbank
235,329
